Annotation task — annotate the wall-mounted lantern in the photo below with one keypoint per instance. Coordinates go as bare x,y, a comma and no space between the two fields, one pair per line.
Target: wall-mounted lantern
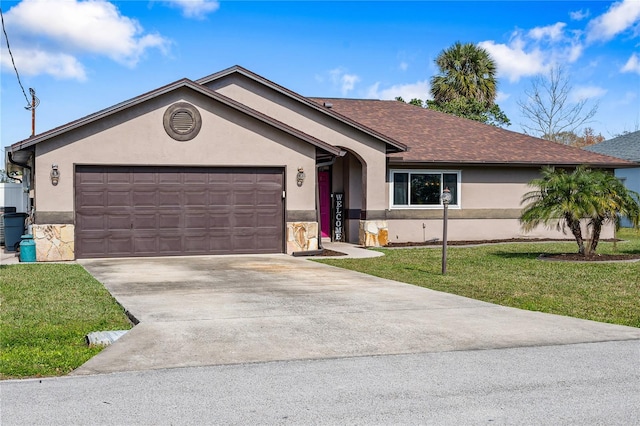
300,176
55,175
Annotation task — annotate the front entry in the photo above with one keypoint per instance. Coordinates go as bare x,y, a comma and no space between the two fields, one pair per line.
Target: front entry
324,193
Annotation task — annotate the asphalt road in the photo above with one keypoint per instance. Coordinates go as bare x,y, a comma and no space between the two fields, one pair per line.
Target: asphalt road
585,384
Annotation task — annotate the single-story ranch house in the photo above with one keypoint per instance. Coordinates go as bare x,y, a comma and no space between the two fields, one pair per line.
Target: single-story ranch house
235,163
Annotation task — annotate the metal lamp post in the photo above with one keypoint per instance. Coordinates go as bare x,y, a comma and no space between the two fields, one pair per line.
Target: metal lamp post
446,199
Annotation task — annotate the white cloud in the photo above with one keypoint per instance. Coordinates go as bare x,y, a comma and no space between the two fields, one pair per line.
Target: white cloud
618,18
632,65
347,82
403,66
579,15
513,61
197,9
586,92
552,32
419,90
63,29
36,62
501,96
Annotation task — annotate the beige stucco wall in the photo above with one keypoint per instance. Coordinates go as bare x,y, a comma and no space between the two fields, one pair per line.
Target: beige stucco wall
137,137
490,188
474,229
369,150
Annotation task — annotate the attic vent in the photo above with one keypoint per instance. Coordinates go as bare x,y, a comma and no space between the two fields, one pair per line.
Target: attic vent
182,121
328,105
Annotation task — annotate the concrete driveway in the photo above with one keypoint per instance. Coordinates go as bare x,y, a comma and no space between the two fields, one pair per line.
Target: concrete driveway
197,311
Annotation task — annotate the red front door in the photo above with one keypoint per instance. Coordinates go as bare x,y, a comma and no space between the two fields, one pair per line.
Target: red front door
324,191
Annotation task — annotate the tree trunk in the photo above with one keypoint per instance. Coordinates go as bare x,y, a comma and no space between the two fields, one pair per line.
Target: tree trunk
574,226
597,229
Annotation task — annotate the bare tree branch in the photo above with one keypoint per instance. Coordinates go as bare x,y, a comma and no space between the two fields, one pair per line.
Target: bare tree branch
549,109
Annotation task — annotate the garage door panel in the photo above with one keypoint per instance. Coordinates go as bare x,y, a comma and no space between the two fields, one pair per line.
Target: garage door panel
196,197
243,179
144,198
169,198
196,220
147,211
119,177
219,197
196,244
169,178
91,222
196,178
268,198
143,221
148,178
118,222
119,245
170,220
120,198
170,244
220,219
145,245
94,199
244,197
244,220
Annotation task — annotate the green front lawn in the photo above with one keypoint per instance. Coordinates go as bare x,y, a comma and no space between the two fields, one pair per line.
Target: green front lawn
512,275
45,313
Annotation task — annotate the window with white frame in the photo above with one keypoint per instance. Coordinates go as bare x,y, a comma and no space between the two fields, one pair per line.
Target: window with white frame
423,188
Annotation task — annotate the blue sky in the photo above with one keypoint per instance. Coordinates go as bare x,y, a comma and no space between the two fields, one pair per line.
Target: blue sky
83,56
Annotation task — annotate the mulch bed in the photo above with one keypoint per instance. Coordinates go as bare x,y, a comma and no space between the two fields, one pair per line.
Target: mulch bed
327,252
575,257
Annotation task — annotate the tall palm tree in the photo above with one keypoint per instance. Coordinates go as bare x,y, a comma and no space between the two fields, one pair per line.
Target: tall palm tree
466,71
563,199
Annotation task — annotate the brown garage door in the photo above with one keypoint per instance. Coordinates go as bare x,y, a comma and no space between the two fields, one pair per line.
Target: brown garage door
163,211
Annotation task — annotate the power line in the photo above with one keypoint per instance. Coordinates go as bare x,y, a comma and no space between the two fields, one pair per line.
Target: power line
30,105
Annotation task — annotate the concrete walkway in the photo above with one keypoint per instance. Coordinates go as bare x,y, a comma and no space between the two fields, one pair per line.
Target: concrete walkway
211,310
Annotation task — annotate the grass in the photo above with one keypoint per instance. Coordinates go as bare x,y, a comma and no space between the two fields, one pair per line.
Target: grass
511,275
45,313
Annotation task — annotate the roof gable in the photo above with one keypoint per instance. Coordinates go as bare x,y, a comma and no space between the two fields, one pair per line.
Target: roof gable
435,137
392,143
183,83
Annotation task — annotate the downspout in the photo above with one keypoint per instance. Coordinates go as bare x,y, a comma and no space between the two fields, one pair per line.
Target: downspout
25,166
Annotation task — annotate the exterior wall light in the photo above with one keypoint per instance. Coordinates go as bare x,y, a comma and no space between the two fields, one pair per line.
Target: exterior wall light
300,176
446,199
55,175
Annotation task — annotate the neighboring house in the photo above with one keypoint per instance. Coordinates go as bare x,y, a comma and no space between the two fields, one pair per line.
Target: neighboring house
627,147
234,163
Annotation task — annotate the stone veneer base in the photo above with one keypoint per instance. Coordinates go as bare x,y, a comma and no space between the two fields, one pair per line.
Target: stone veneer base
302,236
54,243
373,233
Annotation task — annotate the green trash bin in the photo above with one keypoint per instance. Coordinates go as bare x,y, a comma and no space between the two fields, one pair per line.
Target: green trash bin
14,228
27,249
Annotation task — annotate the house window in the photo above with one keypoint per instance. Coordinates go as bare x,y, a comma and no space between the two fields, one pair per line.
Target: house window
423,188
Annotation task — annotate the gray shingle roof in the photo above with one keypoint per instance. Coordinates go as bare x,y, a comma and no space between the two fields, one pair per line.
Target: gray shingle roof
626,146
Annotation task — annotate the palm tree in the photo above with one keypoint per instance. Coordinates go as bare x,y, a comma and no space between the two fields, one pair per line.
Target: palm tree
558,200
466,71
563,199
613,200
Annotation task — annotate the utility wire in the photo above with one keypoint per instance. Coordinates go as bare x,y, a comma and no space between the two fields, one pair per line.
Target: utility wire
31,91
